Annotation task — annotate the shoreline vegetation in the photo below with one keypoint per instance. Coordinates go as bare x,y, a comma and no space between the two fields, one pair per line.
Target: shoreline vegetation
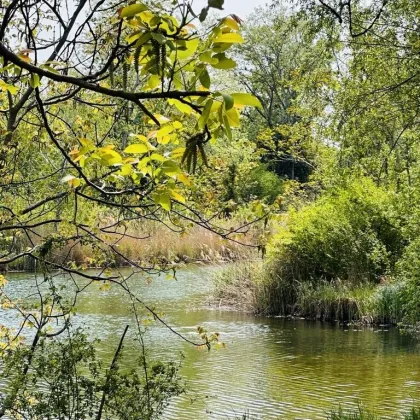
346,256
360,413
241,286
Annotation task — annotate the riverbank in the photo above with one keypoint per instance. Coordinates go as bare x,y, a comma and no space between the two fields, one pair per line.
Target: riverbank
347,256
248,287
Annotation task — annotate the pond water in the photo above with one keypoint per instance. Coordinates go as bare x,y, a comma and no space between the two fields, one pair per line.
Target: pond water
271,368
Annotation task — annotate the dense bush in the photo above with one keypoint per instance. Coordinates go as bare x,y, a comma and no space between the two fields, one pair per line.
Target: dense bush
350,233
344,256
261,183
408,272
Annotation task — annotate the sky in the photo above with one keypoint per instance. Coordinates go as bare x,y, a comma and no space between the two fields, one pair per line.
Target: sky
242,8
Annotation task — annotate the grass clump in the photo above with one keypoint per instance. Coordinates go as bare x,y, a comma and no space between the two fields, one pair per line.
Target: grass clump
237,285
359,414
362,414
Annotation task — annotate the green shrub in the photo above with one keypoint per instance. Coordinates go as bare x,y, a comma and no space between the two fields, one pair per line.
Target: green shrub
408,271
262,184
348,234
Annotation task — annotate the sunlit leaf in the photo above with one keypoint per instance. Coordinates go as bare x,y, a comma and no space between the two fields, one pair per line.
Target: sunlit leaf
225,64
132,10
228,100
246,99
176,196
137,148
34,81
229,38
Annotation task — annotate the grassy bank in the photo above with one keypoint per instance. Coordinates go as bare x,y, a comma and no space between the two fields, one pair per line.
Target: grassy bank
248,286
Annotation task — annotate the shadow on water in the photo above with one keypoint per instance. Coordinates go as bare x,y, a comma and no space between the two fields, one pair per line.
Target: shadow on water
270,367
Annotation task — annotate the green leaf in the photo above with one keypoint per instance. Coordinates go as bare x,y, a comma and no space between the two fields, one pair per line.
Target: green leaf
132,10
206,57
216,4
229,102
34,81
203,14
189,49
139,36
153,81
163,200
202,121
227,127
229,38
204,78
137,148
246,99
170,168
225,64
233,117
157,36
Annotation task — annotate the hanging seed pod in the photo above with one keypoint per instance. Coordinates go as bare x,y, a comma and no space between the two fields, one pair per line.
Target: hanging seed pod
126,68
137,53
111,74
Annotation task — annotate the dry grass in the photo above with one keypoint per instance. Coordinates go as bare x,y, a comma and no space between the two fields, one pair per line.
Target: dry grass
149,243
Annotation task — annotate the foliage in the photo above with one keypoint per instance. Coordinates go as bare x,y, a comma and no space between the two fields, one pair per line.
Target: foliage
349,234
66,381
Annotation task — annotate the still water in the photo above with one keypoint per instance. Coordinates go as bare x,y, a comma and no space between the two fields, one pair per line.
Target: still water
271,368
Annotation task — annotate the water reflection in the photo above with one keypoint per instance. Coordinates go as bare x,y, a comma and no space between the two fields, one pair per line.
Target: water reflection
271,367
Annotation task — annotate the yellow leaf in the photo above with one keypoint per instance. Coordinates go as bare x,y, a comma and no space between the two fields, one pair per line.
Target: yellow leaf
177,153
132,10
157,157
3,280
177,196
164,131
188,50
139,137
232,24
137,148
233,117
184,179
229,38
246,99
109,157
126,170
184,108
